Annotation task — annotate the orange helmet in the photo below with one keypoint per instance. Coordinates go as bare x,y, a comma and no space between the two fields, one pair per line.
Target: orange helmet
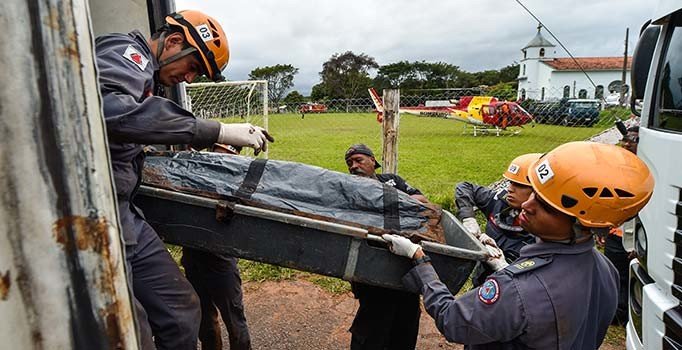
600,185
206,36
518,168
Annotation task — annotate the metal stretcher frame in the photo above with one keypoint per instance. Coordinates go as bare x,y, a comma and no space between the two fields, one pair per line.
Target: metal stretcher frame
301,243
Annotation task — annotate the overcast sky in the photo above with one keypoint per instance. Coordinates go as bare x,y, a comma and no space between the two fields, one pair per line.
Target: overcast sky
474,35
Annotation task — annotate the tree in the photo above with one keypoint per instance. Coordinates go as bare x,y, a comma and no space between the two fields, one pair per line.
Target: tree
394,75
418,75
318,92
509,73
280,79
346,75
293,100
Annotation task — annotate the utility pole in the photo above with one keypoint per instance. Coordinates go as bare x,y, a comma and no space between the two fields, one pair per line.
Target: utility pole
625,68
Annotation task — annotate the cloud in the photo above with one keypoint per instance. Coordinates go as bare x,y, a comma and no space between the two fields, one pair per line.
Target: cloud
480,35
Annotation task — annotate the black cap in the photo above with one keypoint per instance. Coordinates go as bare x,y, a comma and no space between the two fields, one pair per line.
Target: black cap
361,148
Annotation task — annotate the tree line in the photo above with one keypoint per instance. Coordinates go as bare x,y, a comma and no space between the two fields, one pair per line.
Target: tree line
347,75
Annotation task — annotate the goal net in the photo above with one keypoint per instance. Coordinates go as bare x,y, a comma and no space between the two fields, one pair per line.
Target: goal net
231,101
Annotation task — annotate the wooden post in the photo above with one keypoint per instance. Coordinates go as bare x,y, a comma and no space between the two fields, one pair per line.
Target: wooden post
390,135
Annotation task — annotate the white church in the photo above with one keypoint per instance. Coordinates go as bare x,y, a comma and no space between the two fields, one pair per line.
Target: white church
543,76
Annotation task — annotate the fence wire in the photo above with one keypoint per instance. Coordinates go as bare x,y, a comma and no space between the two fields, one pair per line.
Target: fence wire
434,152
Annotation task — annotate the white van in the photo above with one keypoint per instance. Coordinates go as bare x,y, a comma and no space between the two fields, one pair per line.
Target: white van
656,275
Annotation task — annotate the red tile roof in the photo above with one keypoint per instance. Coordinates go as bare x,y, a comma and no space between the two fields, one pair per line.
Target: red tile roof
588,63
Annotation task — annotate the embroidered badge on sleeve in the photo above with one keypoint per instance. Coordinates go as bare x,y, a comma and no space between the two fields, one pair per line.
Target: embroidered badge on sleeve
489,292
136,57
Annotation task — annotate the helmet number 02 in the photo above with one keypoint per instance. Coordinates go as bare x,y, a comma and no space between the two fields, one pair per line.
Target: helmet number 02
205,32
544,171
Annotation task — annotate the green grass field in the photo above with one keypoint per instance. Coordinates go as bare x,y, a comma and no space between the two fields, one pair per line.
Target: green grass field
433,154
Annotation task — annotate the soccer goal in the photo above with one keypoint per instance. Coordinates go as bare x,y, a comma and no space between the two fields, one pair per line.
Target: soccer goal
232,101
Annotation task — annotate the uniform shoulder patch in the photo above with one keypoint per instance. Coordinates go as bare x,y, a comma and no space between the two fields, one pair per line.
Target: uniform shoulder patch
489,292
133,55
528,264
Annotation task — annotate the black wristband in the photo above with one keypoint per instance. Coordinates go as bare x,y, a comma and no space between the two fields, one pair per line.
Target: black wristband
424,259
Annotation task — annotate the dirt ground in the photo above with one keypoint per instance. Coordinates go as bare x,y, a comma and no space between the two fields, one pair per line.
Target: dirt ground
299,315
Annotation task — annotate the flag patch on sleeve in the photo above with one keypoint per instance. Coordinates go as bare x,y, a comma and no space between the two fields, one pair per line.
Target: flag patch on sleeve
132,55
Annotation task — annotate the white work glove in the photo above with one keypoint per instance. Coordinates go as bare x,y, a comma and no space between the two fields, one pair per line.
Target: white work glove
472,226
498,263
245,134
490,244
400,245
487,240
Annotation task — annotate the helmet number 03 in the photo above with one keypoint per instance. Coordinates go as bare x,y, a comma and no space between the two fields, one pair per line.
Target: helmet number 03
544,171
205,32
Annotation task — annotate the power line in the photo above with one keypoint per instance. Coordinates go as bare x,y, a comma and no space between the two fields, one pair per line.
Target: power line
559,41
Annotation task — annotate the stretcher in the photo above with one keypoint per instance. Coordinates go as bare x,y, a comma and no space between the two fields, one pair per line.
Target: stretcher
208,218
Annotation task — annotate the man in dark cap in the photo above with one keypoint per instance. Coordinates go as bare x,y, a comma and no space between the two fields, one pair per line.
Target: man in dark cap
361,161
386,318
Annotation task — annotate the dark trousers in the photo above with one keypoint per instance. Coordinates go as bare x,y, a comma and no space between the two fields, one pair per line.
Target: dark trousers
386,319
217,282
615,252
166,305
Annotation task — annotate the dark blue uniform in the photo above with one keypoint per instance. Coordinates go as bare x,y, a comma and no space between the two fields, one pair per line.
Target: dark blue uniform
386,318
502,225
555,296
216,279
166,305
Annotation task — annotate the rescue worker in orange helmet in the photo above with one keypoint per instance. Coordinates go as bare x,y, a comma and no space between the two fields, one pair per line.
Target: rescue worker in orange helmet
561,293
132,68
502,209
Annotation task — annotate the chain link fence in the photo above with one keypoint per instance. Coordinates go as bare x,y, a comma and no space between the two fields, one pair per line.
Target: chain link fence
434,152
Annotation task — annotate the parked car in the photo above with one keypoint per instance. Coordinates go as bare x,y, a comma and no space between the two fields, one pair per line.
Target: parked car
311,107
545,112
580,112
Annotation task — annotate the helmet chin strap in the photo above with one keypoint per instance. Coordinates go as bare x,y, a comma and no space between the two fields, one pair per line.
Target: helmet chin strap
160,48
582,234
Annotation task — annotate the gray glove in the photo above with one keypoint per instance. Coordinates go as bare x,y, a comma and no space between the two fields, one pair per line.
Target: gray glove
245,134
472,226
400,245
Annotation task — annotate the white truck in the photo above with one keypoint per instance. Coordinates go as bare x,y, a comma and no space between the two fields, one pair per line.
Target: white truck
656,275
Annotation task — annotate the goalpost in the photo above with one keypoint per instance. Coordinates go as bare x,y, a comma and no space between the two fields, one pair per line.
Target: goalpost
236,101
230,101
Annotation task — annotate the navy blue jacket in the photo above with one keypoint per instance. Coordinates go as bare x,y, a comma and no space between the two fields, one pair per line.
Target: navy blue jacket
134,117
556,296
502,225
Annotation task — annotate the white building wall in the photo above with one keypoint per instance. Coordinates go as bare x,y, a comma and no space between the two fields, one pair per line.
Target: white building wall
539,75
577,80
